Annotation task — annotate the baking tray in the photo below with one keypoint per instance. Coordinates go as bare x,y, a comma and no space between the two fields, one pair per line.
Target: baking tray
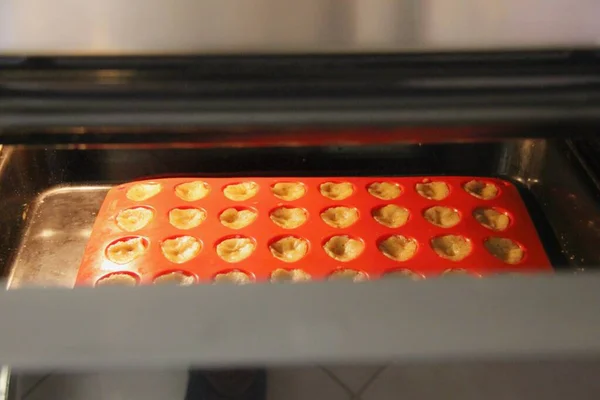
316,262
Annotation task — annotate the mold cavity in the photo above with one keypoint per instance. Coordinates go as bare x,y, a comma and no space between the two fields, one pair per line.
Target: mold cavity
391,215
444,217
235,249
492,219
384,190
234,277
451,247
178,278
433,190
505,249
143,191
238,217
180,249
340,217
118,279
288,191
281,275
481,190
288,217
289,248
347,274
134,219
240,191
343,248
126,250
192,191
336,191
186,218
404,274
398,247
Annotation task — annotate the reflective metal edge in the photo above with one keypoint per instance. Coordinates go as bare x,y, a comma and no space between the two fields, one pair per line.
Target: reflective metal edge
505,317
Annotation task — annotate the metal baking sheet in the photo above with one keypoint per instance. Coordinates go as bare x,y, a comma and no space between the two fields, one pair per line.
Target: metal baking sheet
58,228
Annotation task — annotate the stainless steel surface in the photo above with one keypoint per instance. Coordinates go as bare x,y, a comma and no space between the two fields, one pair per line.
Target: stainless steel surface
541,317
288,26
50,202
60,224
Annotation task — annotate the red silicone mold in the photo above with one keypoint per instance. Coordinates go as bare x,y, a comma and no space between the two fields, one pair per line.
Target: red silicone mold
263,231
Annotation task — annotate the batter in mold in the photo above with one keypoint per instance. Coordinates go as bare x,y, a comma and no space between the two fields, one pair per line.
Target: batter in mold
134,219
384,190
192,191
289,248
340,217
505,249
433,190
117,280
481,190
451,247
235,249
241,191
391,216
288,191
336,191
456,272
143,191
281,275
174,278
288,218
404,274
127,250
444,217
186,218
237,219
492,219
232,278
398,247
348,275
343,248
181,249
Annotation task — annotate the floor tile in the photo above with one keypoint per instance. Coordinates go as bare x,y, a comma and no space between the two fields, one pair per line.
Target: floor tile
490,381
147,385
354,377
303,383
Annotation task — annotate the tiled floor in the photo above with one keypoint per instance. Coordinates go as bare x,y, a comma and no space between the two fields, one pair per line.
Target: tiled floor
467,381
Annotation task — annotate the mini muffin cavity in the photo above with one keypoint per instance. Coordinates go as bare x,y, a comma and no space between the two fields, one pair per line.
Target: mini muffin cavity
492,219
481,190
444,217
235,249
235,218
288,191
180,249
336,191
348,274
289,248
340,217
384,190
134,219
451,247
433,190
288,217
398,247
192,191
391,215
143,191
505,249
343,248
282,275
186,218
241,191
